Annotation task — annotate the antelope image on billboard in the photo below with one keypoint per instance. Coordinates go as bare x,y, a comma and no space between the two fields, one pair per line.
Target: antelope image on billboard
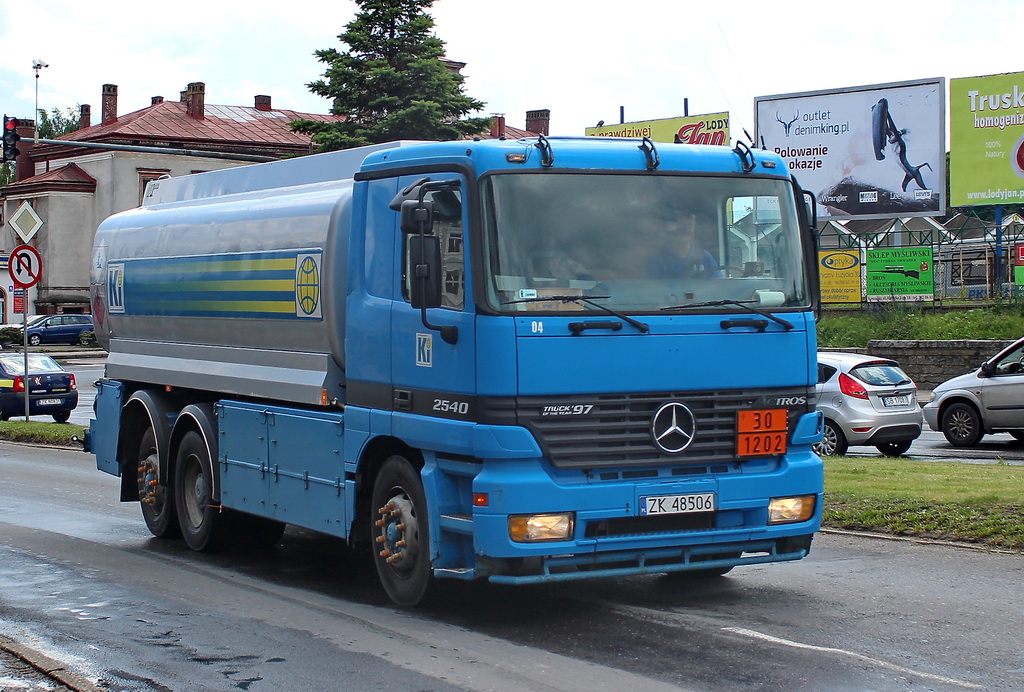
868,152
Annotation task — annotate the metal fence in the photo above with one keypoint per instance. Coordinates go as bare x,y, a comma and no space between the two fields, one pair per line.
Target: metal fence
973,259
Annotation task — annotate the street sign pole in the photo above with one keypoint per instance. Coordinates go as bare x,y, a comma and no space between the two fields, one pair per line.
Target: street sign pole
25,267
24,346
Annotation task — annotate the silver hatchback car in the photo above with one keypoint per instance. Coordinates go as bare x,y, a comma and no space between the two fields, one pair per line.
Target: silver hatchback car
866,401
987,400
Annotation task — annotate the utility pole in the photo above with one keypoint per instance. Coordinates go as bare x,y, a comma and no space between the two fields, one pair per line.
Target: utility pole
37,65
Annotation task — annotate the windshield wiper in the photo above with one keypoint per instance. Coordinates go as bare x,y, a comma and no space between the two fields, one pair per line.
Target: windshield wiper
589,300
745,304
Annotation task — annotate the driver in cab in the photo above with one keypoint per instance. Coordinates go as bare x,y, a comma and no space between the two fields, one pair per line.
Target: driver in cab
678,256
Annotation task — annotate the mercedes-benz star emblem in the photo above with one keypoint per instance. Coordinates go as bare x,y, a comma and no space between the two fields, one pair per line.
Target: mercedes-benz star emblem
673,427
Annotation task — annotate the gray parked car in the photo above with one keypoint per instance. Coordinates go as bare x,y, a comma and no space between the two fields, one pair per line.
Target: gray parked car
866,401
987,400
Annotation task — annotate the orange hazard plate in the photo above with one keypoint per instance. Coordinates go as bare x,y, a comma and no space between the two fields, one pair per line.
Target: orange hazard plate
761,433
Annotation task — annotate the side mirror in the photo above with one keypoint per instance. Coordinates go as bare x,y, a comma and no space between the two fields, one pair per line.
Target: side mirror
811,209
987,369
417,216
425,270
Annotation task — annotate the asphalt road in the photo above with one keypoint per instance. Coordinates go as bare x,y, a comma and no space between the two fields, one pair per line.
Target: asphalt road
83,582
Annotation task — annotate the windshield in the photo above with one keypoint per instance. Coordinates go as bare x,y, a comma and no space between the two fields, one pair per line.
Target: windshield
640,243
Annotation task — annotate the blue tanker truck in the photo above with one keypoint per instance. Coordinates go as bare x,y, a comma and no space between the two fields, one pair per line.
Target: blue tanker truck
524,361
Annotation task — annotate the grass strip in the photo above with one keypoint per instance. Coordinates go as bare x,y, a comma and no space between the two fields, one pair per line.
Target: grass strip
972,503
37,432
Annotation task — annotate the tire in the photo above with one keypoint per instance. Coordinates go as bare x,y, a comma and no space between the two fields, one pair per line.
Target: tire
155,500
894,449
204,526
833,441
34,340
961,425
61,416
398,524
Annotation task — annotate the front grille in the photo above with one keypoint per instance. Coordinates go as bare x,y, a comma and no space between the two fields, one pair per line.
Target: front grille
639,526
614,430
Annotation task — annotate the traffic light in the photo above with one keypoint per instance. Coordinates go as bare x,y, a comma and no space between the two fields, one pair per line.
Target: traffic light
11,138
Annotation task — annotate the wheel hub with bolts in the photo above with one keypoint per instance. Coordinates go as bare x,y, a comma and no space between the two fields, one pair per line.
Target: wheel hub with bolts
398,540
148,484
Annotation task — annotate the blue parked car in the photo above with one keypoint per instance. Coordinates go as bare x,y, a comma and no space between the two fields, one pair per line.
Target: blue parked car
52,389
60,329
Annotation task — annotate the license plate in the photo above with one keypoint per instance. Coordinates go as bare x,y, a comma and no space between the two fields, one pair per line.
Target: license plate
901,400
761,432
50,402
677,504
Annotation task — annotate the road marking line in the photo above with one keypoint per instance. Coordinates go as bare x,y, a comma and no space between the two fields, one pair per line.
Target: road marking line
831,650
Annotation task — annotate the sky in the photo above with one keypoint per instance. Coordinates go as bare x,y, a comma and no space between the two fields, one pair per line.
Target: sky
582,59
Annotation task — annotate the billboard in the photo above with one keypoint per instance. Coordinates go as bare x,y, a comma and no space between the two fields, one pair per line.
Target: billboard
986,132
840,276
711,128
867,152
900,275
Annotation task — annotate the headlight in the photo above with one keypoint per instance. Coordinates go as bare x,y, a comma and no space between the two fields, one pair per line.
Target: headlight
788,510
530,528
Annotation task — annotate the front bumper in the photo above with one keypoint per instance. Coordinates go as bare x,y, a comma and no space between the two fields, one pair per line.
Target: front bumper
661,561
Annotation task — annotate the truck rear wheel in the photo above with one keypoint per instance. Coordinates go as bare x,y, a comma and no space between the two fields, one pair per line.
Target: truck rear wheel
157,505
401,548
204,527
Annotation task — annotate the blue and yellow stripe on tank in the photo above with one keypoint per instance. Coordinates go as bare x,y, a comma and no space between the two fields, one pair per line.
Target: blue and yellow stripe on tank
280,284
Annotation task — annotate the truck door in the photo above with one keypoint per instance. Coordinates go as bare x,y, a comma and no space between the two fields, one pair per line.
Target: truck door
430,376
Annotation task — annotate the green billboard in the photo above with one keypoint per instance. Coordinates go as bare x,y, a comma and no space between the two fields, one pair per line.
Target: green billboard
986,127
905,274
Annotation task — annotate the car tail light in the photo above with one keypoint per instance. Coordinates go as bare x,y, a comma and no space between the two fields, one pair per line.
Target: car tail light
19,383
851,387
74,385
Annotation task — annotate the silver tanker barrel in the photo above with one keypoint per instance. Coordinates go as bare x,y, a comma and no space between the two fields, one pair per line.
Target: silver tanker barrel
232,281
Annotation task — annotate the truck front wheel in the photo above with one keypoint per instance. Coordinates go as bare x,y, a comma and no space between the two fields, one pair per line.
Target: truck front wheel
157,507
204,527
401,548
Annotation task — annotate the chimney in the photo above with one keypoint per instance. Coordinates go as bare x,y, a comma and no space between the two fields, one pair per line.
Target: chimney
195,100
538,121
156,100
84,116
263,103
109,103
24,167
497,126
184,96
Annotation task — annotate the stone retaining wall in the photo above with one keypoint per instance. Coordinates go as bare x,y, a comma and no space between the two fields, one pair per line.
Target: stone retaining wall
930,363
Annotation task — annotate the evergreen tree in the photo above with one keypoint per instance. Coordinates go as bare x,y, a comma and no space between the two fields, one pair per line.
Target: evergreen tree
391,82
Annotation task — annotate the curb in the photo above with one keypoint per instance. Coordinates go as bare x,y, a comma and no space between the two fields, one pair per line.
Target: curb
49,667
977,547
